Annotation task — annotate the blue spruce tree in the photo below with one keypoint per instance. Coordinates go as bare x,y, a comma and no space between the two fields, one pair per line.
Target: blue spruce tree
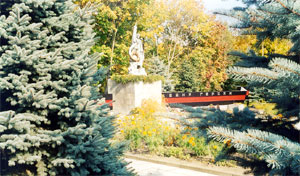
158,67
276,141
280,79
50,119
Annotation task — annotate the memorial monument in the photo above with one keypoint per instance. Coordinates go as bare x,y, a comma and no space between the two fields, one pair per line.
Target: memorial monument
136,53
130,95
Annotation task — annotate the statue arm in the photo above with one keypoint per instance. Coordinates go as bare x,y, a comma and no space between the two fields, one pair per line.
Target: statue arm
134,37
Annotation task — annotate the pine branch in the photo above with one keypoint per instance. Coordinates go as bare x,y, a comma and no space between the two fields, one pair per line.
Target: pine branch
285,65
288,9
255,21
250,59
294,58
272,13
253,74
278,151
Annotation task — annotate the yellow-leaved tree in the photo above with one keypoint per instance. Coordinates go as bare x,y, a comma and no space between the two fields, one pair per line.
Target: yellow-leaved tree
193,44
244,43
114,22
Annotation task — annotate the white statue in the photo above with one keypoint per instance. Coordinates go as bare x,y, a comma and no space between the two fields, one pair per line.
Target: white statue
136,53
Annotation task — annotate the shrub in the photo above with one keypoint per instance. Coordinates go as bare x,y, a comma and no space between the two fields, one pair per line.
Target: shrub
124,79
150,133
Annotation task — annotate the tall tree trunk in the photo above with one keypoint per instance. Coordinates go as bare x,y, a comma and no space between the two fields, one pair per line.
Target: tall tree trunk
262,49
113,47
156,45
169,61
171,58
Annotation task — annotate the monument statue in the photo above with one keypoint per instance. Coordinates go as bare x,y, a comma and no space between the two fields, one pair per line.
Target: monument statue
136,53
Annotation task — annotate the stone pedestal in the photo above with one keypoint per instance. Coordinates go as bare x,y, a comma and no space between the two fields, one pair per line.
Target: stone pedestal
129,96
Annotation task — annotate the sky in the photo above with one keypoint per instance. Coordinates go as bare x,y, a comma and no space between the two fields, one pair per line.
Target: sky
214,5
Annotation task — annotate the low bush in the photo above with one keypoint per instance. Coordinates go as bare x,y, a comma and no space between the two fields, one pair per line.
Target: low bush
266,108
124,79
150,133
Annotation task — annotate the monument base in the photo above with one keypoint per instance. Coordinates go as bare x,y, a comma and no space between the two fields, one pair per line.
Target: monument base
129,96
136,68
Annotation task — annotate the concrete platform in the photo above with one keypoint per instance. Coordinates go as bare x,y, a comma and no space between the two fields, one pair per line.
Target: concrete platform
151,165
144,168
131,95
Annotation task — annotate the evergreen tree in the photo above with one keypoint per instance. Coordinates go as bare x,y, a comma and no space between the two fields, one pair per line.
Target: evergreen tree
188,79
50,119
276,141
271,19
157,67
279,79
5,6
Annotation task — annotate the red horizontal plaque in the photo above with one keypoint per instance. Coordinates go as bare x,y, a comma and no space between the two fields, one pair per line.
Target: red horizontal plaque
205,99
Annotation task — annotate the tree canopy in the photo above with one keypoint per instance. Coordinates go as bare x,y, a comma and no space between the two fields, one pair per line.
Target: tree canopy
179,32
